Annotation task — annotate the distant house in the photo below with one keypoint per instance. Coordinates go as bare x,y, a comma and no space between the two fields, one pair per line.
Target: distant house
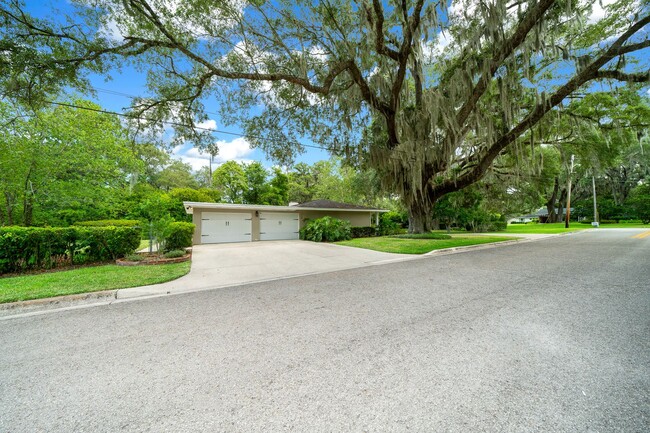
541,215
221,222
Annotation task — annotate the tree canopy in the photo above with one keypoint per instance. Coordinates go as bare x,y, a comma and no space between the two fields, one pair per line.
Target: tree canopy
429,94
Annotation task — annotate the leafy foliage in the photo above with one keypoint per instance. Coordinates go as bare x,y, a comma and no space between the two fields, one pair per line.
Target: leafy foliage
465,209
363,232
178,235
61,165
173,254
326,229
27,248
640,203
106,223
392,222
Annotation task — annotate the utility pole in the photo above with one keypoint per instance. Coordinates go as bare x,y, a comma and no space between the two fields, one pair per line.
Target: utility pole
568,196
593,184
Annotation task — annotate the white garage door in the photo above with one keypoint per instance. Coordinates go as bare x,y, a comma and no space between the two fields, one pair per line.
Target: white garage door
219,227
279,225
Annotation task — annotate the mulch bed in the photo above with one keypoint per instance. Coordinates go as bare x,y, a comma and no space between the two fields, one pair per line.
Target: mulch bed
153,259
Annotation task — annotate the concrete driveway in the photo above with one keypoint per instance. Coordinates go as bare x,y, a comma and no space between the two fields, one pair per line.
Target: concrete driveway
221,265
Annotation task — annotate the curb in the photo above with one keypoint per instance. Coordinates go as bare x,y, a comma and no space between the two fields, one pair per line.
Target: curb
56,302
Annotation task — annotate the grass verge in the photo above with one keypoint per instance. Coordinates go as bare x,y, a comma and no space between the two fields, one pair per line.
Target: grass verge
85,280
551,228
559,227
419,246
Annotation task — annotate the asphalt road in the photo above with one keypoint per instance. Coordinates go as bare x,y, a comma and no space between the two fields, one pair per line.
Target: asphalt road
552,335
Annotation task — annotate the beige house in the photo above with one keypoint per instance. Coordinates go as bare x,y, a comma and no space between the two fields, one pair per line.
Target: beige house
220,223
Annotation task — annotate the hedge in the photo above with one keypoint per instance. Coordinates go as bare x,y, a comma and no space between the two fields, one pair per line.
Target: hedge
29,248
107,223
179,236
363,232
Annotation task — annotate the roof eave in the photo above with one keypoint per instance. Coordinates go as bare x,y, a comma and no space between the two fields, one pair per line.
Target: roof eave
190,205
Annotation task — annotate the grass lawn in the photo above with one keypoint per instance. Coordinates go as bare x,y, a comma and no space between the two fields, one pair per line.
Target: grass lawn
419,246
559,227
89,279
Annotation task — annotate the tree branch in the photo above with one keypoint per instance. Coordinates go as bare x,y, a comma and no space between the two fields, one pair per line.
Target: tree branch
589,73
622,76
378,23
507,48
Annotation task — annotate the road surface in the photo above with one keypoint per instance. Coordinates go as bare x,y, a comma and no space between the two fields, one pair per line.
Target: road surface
552,335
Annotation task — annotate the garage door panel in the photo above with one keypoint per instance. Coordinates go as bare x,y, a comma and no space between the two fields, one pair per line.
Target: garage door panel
219,227
279,226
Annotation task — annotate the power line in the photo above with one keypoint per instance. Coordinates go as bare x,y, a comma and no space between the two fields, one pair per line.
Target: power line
172,123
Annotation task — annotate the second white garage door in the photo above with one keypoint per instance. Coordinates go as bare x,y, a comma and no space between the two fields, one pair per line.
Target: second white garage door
217,227
278,226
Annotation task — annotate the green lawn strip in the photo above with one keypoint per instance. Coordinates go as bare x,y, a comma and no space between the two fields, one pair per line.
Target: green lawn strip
551,228
559,227
85,280
419,246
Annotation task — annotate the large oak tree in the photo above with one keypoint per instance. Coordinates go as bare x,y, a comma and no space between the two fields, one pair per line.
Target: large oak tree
439,90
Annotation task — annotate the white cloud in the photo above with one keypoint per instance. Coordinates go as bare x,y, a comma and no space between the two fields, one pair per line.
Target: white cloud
208,124
599,10
238,149
431,50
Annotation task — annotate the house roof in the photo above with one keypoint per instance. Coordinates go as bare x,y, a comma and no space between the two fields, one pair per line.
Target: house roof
191,205
329,204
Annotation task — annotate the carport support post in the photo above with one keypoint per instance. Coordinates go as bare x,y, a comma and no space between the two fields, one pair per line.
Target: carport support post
377,219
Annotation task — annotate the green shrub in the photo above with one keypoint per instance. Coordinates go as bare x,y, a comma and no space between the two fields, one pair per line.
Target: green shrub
23,248
106,223
28,248
326,229
422,236
107,243
391,222
174,254
363,232
178,235
134,257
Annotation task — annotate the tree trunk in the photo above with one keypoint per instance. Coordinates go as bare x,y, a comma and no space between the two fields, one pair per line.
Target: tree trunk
9,207
560,206
420,219
28,211
550,204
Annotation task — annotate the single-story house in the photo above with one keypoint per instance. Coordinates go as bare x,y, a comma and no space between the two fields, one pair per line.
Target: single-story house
221,222
541,215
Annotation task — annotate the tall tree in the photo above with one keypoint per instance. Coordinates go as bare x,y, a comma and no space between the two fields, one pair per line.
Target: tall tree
177,174
62,165
256,185
448,89
230,180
